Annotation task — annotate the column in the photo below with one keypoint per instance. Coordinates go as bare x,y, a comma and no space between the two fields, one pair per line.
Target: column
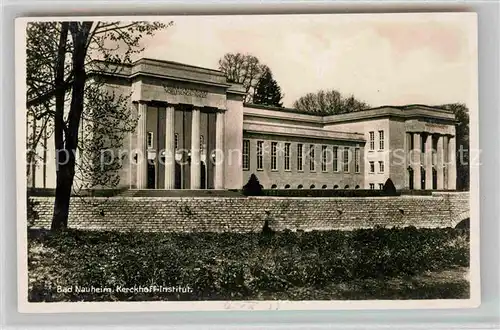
415,160
195,149
407,144
452,163
169,148
142,156
219,147
428,162
440,162
445,161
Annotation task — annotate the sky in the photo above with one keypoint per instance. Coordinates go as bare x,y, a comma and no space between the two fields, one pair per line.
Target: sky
382,59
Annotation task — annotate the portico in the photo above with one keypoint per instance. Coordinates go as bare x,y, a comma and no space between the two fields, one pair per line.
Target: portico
431,149
179,141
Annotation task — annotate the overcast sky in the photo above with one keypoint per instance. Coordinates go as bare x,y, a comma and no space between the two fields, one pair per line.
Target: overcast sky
381,59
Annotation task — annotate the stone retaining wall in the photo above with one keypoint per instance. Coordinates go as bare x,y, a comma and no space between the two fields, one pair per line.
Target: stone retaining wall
168,214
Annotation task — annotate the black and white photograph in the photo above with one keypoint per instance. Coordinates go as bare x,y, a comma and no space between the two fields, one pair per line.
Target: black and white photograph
247,162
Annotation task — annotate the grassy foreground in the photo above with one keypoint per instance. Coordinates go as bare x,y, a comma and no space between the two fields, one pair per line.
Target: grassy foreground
376,263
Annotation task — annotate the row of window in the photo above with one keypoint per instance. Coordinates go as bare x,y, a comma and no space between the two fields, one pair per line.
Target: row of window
300,157
149,141
381,143
287,186
381,167
380,186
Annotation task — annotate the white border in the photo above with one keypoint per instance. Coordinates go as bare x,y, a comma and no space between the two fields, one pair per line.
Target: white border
25,307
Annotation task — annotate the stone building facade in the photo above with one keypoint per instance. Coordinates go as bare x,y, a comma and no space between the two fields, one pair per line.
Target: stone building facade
195,132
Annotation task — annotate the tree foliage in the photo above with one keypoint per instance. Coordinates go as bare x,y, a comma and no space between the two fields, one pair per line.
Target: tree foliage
244,69
329,102
267,91
65,87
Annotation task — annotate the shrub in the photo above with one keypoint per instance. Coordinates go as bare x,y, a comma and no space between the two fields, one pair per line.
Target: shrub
253,187
389,189
226,266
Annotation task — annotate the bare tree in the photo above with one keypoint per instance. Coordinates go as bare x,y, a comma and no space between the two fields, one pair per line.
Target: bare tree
329,102
61,56
244,69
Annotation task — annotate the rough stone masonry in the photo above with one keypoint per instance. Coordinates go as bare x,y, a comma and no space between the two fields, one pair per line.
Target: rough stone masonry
246,214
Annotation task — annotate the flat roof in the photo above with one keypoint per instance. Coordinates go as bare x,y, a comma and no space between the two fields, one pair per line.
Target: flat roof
405,111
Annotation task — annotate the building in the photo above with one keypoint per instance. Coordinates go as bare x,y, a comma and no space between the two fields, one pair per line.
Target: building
195,132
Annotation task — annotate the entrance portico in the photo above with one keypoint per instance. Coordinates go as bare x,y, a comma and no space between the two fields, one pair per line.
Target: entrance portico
431,155
179,142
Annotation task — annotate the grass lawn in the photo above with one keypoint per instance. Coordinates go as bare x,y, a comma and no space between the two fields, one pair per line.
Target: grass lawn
406,263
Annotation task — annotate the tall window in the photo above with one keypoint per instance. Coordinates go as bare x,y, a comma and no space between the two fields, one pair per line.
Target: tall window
150,140
323,158
372,186
381,166
372,140
335,159
381,140
176,141
287,156
312,160
260,155
372,167
300,160
381,186
274,158
346,159
357,160
246,154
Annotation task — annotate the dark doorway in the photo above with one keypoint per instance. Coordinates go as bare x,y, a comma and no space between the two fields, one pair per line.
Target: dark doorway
151,176
178,176
410,178
203,176
434,179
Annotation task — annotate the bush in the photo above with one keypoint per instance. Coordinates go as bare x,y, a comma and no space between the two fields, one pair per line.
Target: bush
389,189
253,187
226,266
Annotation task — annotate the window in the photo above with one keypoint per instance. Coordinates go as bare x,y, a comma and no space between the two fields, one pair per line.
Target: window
357,186
312,186
381,166
346,159
287,156
381,140
274,158
335,159
300,161
312,161
336,186
372,186
372,140
323,158
381,186
357,160
300,186
372,167
150,140
324,186
176,141
346,187
274,186
260,155
246,154
287,186
202,143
